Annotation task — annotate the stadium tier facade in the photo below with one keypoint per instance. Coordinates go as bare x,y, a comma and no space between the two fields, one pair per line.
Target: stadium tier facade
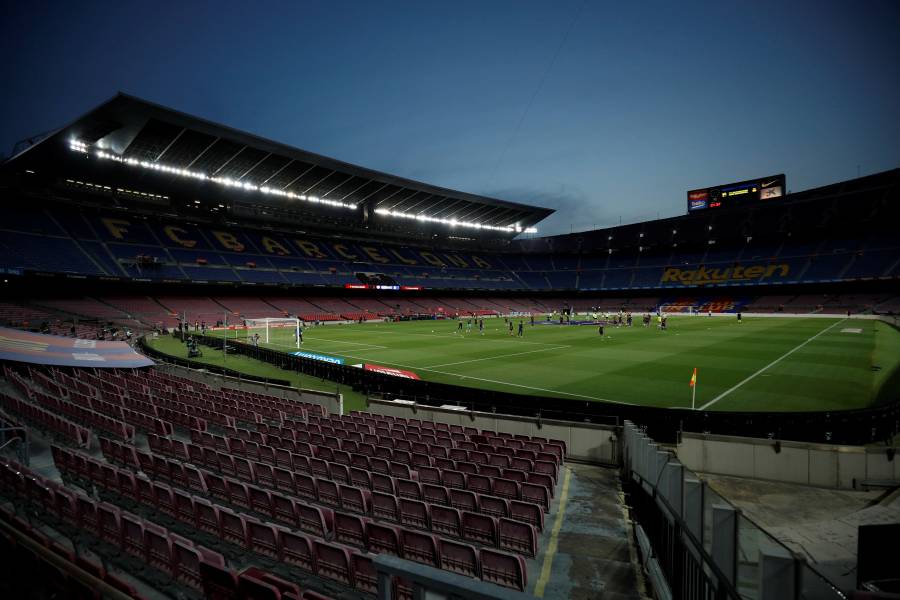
137,218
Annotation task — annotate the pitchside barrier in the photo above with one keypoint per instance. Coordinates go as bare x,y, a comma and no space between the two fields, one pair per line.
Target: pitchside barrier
695,545
822,465
877,424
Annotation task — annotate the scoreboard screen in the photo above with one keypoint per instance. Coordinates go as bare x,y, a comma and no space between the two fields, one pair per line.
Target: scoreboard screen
743,192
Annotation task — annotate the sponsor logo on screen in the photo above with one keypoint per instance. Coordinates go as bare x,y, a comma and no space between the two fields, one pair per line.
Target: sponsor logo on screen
323,357
704,275
390,371
696,204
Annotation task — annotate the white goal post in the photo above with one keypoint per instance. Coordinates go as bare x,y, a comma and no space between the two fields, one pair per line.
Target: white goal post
272,323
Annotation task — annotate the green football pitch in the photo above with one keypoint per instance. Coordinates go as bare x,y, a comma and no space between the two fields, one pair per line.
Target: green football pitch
762,364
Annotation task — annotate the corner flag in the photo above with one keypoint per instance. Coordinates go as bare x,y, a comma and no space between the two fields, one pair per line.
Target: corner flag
693,385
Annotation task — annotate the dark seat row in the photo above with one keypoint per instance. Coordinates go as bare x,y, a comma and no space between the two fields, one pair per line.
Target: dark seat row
313,555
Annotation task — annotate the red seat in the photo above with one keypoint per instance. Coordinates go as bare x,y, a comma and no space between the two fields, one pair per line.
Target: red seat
237,493
184,506
216,486
284,480
234,528
87,515
364,573
413,513
133,536
435,494
218,583
340,473
159,548
265,476
283,509
360,477
383,538
350,529
354,499
263,539
306,486
260,500
454,479
445,520
459,558
314,520
400,470
187,560
429,475
206,517
328,493
407,488
333,562
541,479
494,506
479,529
383,483
536,494
463,500
384,507
478,484
419,547
297,550
507,488
503,569
518,537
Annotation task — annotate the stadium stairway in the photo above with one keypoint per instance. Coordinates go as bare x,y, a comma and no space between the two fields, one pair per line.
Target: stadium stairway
586,551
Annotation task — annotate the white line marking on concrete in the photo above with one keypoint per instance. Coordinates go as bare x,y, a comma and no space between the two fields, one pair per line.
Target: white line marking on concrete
771,364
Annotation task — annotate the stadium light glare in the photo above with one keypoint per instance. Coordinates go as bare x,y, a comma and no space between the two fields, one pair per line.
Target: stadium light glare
78,146
422,218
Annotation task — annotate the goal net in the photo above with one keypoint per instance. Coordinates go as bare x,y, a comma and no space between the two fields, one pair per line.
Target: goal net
280,331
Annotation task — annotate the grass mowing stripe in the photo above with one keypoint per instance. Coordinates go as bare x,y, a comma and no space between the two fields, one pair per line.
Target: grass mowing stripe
462,362
771,364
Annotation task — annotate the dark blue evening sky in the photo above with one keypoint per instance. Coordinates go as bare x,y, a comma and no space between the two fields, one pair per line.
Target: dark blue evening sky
603,110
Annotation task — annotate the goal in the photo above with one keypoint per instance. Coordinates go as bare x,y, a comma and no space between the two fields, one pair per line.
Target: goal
285,331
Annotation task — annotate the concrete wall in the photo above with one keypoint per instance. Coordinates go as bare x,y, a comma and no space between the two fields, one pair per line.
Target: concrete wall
821,465
584,441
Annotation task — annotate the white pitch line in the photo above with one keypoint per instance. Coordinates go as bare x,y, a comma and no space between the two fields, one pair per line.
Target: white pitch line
518,385
462,362
464,337
771,364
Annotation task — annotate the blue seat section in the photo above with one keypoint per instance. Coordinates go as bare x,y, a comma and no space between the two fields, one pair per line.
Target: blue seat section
591,280
648,277
30,220
827,267
42,253
155,272
198,273
256,276
110,244
191,256
131,251
100,255
617,279
534,281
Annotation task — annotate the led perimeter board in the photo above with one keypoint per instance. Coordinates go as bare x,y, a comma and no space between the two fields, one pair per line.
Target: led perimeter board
743,192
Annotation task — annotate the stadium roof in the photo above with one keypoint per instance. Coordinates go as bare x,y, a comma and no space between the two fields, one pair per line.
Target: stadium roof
141,133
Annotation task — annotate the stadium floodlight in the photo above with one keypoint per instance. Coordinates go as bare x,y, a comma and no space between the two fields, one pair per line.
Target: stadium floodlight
81,147
271,326
423,218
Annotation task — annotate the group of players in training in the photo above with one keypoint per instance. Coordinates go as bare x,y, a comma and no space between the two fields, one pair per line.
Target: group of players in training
618,320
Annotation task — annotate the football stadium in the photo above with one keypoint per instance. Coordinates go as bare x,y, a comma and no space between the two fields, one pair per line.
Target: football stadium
232,368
